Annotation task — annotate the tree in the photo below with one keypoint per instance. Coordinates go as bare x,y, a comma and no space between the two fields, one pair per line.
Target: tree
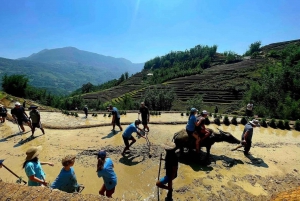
254,47
86,88
15,84
195,102
126,75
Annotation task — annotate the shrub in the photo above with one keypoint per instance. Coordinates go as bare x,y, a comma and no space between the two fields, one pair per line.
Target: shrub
156,113
104,115
187,113
96,115
287,124
244,120
76,114
182,114
109,115
226,120
215,115
125,112
217,121
234,121
159,113
280,124
272,123
297,125
207,121
264,123
72,113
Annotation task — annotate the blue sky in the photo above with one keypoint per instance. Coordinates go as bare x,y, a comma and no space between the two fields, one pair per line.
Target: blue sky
139,30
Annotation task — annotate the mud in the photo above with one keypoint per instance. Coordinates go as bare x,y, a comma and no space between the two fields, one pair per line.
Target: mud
273,166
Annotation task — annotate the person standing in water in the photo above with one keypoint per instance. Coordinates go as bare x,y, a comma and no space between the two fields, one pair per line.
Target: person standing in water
85,110
171,166
33,167
144,111
19,115
105,169
115,118
35,118
3,113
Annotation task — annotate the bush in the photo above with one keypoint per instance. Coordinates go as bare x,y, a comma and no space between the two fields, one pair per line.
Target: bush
280,124
76,114
215,115
104,115
234,121
159,113
109,115
287,124
264,123
125,112
297,125
187,113
217,121
272,123
207,121
182,114
226,120
244,120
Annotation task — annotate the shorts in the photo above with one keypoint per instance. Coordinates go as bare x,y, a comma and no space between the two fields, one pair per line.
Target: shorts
109,192
117,121
144,122
126,140
37,125
190,133
20,121
164,180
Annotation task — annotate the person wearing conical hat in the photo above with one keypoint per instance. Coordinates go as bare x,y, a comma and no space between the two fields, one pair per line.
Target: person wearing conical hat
33,167
35,117
171,166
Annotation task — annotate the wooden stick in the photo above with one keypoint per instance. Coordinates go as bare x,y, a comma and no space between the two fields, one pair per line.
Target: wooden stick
159,175
13,173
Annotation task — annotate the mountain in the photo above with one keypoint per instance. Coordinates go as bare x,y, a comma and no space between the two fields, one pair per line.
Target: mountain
64,70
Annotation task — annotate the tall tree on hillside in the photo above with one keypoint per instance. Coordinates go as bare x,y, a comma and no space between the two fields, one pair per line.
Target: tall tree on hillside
126,75
86,88
15,84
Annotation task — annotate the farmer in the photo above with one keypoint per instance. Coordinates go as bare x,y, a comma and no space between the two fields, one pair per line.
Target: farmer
3,113
116,118
247,136
19,115
192,123
145,115
105,169
249,109
66,180
35,117
33,168
216,109
200,131
127,135
85,110
171,166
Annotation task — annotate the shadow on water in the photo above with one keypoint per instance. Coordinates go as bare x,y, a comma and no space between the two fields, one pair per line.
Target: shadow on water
200,163
111,134
28,139
13,135
128,159
258,162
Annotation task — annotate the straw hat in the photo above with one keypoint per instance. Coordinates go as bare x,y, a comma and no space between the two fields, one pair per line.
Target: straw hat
17,103
254,122
169,146
33,152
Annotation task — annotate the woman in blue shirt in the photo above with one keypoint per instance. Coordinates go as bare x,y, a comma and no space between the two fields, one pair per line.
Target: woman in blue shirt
33,168
191,124
105,169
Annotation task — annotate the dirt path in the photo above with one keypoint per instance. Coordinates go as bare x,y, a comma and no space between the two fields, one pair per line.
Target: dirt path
272,168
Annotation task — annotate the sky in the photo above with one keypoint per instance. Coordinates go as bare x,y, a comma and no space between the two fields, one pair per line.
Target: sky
139,30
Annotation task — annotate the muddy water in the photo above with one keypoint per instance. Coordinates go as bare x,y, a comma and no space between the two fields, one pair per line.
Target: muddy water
228,175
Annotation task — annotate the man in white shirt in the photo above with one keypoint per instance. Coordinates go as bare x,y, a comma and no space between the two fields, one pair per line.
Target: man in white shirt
249,109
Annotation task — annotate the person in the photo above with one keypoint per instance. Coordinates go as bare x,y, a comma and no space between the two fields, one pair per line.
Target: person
24,104
192,123
144,111
85,109
105,170
66,180
200,131
171,166
19,115
3,113
35,117
216,109
33,167
249,109
116,118
247,136
127,135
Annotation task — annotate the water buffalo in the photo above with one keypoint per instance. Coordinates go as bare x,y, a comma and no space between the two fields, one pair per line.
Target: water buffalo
181,139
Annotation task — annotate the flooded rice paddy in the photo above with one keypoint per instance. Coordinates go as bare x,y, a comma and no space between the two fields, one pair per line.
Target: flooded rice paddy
272,167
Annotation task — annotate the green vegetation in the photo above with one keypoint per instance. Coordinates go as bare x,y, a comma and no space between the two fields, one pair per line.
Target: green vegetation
272,123
244,120
232,57
297,125
276,93
226,120
196,102
263,123
217,121
234,121
253,48
280,124
287,124
159,98
180,63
